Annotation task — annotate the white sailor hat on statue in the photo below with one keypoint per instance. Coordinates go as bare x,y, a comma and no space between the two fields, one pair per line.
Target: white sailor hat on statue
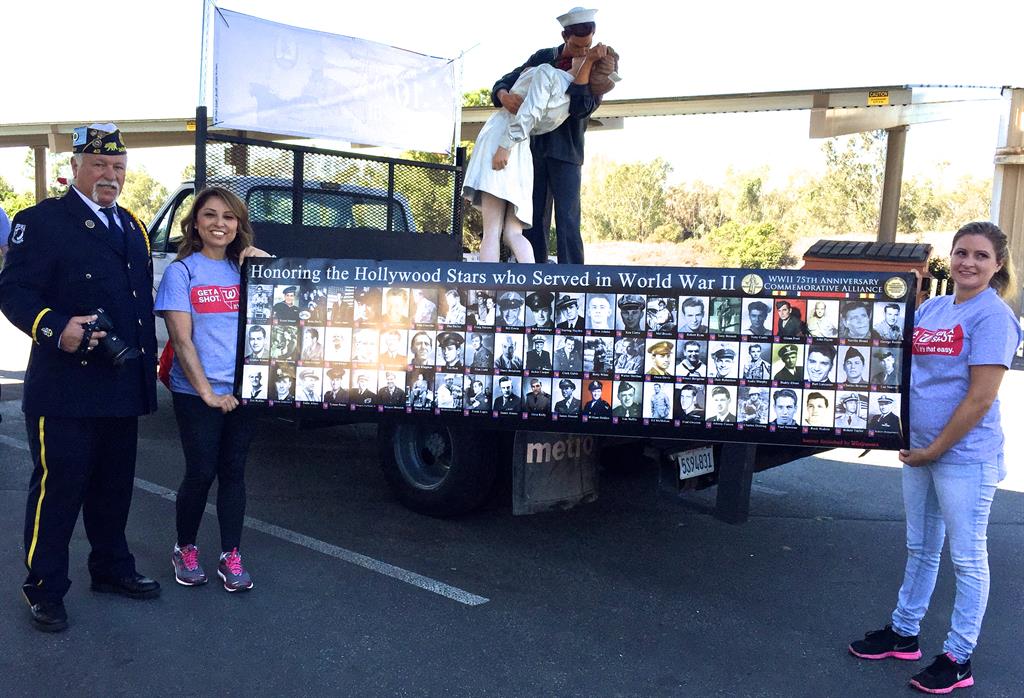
577,15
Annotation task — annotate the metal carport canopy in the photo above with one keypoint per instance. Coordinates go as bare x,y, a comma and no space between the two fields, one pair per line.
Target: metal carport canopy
833,112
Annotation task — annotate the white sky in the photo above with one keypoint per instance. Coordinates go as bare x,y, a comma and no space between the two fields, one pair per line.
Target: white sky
132,59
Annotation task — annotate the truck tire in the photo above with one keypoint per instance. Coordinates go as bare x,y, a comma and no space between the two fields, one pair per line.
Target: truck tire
437,470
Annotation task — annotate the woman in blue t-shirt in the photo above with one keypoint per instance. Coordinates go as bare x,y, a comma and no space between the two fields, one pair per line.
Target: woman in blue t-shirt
198,299
962,346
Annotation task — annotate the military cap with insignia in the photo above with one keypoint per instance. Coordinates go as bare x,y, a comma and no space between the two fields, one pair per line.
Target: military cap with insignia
625,387
290,289
885,400
788,351
539,299
284,372
98,139
660,348
631,301
446,339
335,373
851,397
594,385
510,300
724,353
566,301
853,353
566,383
308,373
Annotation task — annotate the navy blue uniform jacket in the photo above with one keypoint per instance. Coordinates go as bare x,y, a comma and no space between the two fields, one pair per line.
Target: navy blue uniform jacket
565,142
65,263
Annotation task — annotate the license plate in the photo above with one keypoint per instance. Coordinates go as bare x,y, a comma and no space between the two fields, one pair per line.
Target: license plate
696,461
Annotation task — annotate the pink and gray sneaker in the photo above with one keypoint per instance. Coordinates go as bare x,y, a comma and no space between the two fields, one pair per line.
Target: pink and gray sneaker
187,570
232,573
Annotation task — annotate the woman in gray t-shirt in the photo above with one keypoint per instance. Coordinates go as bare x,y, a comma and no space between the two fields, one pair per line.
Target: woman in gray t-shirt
962,346
198,299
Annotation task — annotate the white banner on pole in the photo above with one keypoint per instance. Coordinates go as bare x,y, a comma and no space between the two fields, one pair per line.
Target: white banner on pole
277,78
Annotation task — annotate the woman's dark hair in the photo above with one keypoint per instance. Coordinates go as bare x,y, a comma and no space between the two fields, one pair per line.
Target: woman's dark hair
1003,281
191,242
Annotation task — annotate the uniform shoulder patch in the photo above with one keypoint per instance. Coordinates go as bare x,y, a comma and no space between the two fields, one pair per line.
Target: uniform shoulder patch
18,234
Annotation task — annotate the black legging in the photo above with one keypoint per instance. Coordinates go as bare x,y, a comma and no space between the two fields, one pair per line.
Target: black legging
215,446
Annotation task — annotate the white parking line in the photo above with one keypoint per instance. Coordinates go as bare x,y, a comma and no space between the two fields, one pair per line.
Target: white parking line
388,570
766,490
402,575
14,443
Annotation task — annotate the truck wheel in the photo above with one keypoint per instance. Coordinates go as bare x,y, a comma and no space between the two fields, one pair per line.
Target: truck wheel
435,469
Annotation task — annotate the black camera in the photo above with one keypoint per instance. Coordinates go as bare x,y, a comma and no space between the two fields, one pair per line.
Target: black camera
115,348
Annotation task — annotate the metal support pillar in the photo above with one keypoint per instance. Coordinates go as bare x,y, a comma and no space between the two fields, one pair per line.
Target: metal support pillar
895,145
39,161
1008,182
735,475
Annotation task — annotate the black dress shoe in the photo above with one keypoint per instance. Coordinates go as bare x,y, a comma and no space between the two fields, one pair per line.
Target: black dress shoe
49,616
134,587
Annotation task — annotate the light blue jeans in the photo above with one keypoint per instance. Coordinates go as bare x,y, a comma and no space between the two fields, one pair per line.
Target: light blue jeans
953,497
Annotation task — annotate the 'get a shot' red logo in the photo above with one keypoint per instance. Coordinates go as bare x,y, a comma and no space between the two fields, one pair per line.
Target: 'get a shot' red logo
947,342
215,299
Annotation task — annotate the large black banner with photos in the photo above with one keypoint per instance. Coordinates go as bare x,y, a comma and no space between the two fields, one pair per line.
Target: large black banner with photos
813,358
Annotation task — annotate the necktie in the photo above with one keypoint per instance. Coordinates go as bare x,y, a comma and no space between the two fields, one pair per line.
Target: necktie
111,214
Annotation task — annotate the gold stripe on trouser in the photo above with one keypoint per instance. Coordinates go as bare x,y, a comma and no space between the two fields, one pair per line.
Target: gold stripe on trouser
42,491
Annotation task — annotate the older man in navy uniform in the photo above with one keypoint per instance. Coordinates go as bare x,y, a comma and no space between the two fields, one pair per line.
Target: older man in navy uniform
558,155
69,258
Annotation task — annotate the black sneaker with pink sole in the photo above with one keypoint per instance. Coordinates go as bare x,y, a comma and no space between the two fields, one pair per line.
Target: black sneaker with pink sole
944,675
885,643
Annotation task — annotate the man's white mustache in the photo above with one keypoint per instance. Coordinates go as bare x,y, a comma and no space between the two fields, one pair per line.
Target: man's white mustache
105,183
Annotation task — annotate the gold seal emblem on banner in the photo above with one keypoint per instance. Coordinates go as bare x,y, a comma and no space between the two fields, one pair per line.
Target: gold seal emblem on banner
895,288
752,284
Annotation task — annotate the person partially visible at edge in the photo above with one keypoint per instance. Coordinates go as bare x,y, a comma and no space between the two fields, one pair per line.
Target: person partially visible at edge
558,155
5,232
68,257
962,346
215,434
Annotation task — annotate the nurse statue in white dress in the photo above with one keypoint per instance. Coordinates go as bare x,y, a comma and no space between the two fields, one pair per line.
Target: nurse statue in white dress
499,177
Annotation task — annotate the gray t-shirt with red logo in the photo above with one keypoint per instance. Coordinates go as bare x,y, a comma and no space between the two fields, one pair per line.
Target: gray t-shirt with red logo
949,338
208,289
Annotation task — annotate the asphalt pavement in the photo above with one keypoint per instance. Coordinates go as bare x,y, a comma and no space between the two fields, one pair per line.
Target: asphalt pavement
640,593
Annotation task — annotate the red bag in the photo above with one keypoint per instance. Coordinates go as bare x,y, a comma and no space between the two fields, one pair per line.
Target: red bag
163,367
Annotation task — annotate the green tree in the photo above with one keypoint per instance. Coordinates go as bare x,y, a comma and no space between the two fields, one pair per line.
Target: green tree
695,208
11,201
625,202
751,245
477,98
848,197
142,194
58,167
